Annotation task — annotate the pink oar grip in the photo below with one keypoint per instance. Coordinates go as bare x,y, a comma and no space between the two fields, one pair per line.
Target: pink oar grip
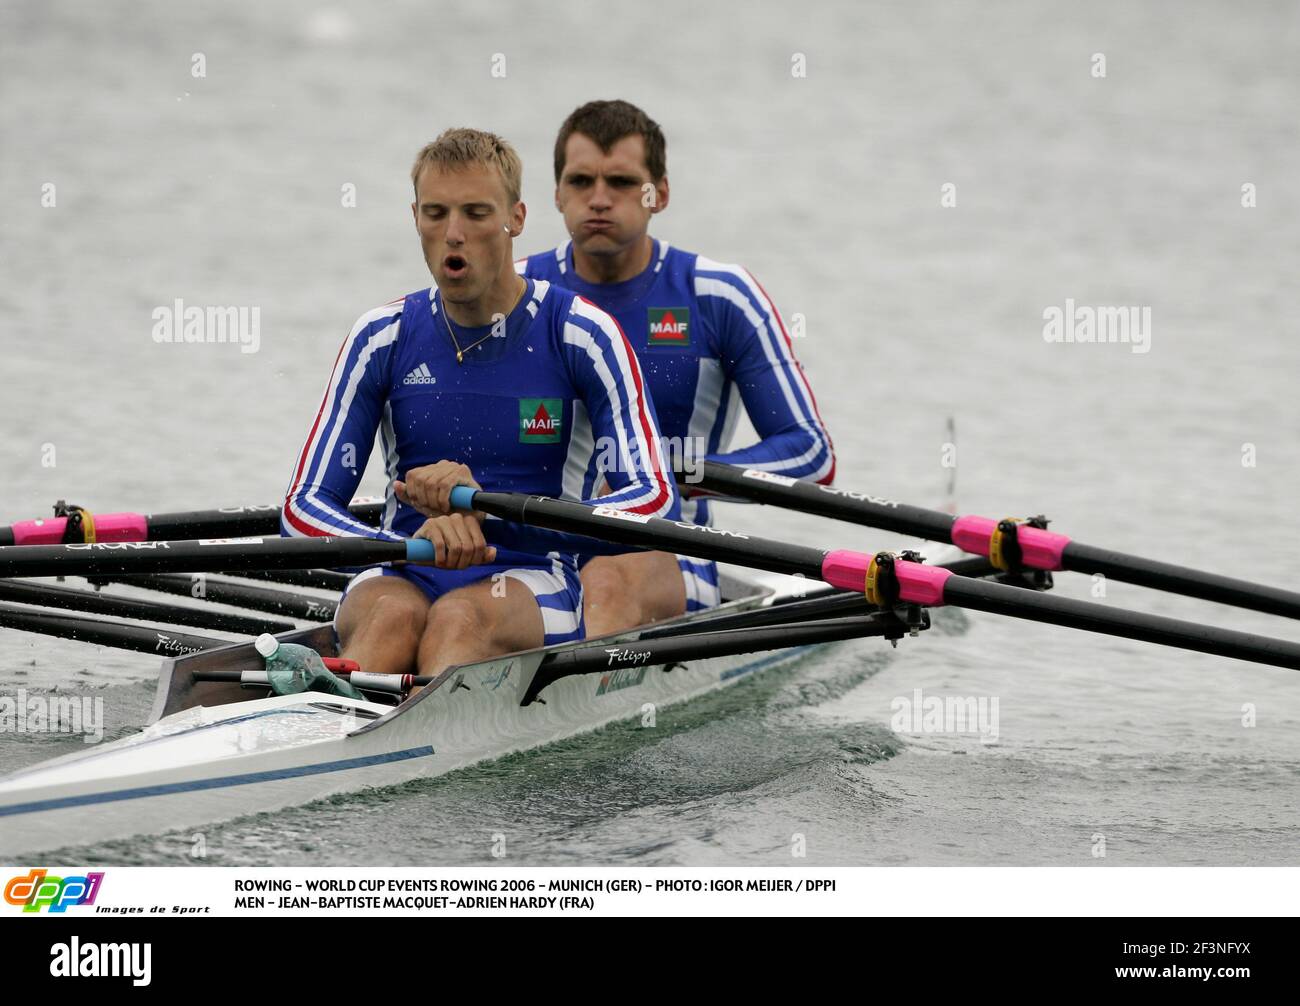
972,534
1040,548
921,584
917,582
121,527
846,570
108,527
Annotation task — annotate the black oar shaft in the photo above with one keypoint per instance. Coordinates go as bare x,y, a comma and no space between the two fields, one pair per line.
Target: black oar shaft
833,605
108,559
632,655
52,596
973,533
320,579
256,521
628,529
230,522
825,501
1000,599
143,639
1166,576
242,595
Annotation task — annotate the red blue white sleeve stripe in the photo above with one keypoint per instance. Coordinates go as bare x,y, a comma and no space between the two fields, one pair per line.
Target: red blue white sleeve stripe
316,502
619,408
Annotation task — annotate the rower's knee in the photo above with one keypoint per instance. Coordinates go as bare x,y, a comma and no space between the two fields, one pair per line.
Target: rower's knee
454,617
620,592
611,599
385,616
476,623
606,581
457,631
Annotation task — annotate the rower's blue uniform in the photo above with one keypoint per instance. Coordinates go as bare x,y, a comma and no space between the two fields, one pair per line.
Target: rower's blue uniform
709,339
528,410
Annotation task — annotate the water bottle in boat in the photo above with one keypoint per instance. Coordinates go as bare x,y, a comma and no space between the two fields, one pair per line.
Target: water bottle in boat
291,669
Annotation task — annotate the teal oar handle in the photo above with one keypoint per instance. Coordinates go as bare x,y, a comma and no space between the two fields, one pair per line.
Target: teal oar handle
462,497
420,550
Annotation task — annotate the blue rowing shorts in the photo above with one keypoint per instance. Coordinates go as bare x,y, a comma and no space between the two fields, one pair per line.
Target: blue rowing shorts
554,585
701,579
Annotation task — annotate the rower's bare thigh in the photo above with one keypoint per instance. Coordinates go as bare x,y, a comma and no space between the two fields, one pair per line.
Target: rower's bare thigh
652,579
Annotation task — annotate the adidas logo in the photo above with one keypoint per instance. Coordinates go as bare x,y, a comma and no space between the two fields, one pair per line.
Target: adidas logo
420,375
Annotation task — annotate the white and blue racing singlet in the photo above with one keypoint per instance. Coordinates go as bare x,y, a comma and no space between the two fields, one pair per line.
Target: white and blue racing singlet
553,404
709,339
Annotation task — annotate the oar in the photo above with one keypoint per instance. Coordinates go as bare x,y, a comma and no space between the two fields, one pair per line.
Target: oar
113,558
142,638
886,580
240,595
831,604
51,596
254,520
1008,543
320,579
650,651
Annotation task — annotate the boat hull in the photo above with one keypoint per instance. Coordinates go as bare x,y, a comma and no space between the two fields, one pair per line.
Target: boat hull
213,757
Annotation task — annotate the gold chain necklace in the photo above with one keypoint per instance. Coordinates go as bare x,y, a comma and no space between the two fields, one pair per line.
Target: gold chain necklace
460,353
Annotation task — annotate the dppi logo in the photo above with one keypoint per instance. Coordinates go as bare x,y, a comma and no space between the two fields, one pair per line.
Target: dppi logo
36,891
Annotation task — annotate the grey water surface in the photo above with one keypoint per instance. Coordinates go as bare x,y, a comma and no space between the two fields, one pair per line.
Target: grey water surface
1117,190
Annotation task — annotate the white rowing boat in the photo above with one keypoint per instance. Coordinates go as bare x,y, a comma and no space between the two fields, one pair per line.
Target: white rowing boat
217,750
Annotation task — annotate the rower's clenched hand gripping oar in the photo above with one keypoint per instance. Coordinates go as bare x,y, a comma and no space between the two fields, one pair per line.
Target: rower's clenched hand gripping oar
1010,544
886,579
